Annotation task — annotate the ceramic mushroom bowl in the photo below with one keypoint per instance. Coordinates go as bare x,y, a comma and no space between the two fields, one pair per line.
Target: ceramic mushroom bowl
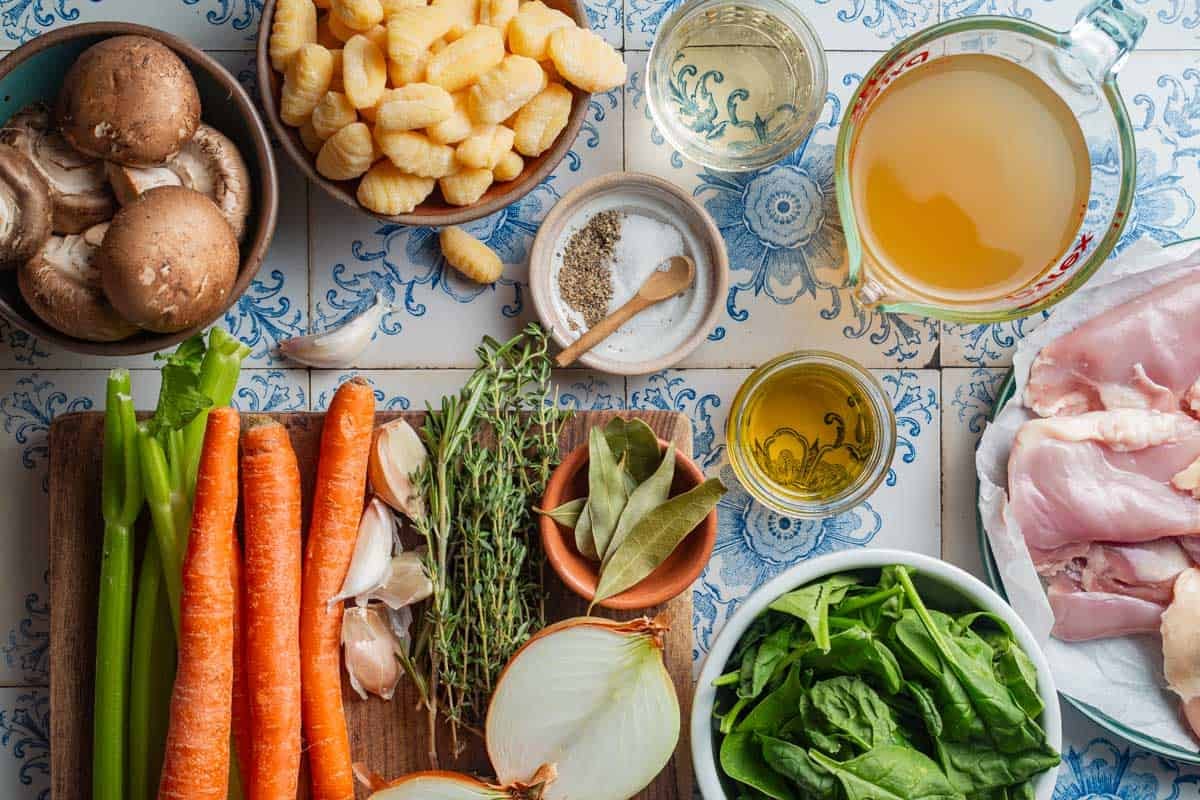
144,187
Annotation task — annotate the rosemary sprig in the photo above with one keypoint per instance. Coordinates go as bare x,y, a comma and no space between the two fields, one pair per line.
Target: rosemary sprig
492,448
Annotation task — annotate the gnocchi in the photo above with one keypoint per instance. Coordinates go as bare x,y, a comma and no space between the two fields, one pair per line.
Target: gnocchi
462,61
387,189
414,153
505,88
509,167
364,71
378,36
332,113
347,154
484,148
392,6
359,15
465,186
308,137
498,13
474,259
586,60
463,14
455,127
412,30
337,28
325,35
305,82
529,31
541,120
294,25
409,71
417,105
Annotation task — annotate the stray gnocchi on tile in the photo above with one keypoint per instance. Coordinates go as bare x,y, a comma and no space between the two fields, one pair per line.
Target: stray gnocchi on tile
475,260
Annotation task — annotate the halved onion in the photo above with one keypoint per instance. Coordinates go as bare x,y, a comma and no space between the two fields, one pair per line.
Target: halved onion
441,785
592,697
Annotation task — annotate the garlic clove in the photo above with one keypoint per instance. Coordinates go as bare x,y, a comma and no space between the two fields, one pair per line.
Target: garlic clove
369,651
397,457
407,583
371,564
400,620
338,347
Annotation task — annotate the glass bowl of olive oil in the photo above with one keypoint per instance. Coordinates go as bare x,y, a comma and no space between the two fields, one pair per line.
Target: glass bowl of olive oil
811,434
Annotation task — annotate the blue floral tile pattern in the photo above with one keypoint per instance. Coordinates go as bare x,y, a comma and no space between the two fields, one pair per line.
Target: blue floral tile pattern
25,739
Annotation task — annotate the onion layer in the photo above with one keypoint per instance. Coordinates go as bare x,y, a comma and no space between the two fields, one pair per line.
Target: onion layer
593,698
441,785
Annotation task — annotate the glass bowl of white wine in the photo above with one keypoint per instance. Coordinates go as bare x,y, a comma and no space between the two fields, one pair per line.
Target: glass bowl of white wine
735,85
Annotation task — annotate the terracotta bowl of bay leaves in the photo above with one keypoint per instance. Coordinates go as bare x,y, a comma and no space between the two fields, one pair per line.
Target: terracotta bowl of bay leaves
581,574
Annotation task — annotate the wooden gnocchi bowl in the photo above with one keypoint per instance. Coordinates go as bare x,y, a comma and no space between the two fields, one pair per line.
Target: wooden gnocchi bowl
435,211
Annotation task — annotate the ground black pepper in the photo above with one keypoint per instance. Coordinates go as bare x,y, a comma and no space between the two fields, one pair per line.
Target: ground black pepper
585,279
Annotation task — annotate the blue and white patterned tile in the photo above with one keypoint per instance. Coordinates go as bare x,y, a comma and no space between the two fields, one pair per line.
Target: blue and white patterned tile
1162,93
1170,24
754,543
785,243
968,397
209,24
411,390
840,24
436,316
607,18
25,743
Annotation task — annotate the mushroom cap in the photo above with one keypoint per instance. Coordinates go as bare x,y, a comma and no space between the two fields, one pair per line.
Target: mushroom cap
78,189
169,260
24,208
61,283
129,99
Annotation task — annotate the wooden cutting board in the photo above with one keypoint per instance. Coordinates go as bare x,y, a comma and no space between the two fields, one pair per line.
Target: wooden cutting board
387,736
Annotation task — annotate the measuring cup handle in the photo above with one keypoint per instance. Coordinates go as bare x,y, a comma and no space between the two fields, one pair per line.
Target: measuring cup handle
1104,35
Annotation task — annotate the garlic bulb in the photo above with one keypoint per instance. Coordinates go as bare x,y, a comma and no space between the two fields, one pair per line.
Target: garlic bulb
397,456
593,697
338,347
369,652
371,564
407,583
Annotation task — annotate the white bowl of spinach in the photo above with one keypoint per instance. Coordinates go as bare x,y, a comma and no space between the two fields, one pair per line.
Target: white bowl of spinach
875,675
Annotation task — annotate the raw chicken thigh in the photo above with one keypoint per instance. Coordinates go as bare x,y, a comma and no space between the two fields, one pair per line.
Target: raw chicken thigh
1142,354
1181,645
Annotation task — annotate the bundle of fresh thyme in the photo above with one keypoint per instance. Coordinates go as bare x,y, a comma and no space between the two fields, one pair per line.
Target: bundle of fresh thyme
491,450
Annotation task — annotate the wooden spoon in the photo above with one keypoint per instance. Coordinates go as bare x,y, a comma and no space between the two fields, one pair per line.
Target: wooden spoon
662,284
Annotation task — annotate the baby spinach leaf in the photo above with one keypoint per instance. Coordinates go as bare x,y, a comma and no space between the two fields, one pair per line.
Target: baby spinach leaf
811,604
606,491
851,707
642,500
566,514
742,759
633,441
890,772
771,652
793,763
857,651
773,711
973,767
958,712
926,707
1016,671
913,644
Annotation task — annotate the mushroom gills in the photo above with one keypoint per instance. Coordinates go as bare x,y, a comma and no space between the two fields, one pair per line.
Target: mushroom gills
209,163
24,208
62,284
79,189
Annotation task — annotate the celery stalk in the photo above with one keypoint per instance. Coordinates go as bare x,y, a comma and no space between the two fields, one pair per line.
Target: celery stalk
121,503
152,675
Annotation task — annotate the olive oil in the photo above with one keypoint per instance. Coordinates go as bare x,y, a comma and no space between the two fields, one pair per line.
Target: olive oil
810,430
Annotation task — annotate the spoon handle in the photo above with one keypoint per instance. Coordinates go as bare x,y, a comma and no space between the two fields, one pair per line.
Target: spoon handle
601,331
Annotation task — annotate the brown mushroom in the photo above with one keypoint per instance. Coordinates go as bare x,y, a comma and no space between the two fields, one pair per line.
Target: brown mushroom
169,260
24,208
209,163
78,189
129,99
61,283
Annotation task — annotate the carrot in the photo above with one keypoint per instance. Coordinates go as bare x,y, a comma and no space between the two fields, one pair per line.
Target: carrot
271,525
243,760
337,505
196,762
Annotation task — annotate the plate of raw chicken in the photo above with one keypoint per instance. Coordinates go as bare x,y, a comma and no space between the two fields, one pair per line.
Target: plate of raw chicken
1094,467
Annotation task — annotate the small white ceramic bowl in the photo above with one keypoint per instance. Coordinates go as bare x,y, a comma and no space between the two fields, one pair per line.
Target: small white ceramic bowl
928,571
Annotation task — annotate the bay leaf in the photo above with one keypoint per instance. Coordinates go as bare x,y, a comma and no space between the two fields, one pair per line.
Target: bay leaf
651,494
584,543
606,491
636,443
566,514
655,537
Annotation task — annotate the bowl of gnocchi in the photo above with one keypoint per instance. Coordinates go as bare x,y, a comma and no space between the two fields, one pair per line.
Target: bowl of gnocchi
430,113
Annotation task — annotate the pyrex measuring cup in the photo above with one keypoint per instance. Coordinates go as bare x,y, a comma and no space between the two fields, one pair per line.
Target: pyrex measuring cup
1080,65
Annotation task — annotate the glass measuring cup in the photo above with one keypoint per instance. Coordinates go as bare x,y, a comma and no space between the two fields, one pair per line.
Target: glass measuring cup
1080,66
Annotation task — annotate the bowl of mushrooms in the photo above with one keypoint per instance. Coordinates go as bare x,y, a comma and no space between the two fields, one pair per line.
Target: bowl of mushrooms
430,112
137,188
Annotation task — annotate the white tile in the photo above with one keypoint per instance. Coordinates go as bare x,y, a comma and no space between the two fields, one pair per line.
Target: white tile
412,389
607,18
753,543
208,24
783,236
25,743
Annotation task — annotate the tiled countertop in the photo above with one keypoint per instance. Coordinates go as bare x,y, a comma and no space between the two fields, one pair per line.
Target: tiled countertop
786,251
